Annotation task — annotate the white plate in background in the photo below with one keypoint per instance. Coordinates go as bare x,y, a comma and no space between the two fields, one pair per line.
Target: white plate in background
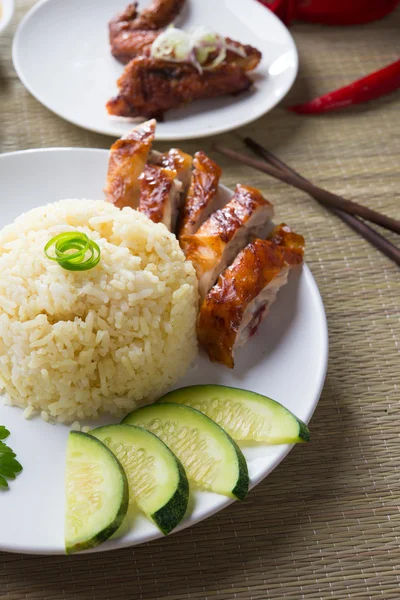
61,54
6,13
285,360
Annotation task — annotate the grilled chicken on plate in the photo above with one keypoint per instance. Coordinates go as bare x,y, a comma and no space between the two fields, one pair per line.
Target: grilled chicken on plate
160,195
132,34
235,306
149,87
233,299
128,157
202,197
216,243
177,160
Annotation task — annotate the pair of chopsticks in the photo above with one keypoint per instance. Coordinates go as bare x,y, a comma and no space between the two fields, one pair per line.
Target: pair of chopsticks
350,212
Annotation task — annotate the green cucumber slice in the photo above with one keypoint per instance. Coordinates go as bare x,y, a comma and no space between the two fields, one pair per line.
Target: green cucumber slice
211,459
157,481
97,494
244,415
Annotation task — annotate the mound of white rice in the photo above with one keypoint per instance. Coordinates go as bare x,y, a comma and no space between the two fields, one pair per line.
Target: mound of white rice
78,344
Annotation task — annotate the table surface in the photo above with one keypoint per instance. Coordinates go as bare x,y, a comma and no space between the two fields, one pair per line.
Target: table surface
326,522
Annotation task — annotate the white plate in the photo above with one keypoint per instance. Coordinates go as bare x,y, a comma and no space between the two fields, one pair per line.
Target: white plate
286,360
61,54
6,13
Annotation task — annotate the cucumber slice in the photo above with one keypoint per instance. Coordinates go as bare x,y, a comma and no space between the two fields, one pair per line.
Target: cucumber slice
157,481
210,457
244,415
97,494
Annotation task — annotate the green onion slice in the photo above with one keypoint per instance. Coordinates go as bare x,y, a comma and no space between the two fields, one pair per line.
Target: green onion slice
85,257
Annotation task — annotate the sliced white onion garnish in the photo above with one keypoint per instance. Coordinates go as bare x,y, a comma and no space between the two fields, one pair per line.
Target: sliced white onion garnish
206,42
201,36
217,60
195,47
172,44
193,60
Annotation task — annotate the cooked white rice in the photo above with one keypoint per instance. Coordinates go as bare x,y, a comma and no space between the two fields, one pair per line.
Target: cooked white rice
73,344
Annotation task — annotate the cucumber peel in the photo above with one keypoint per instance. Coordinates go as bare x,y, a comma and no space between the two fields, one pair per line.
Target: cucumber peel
211,458
243,414
156,478
97,494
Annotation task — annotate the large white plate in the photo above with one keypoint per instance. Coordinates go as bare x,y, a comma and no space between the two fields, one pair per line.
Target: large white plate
61,54
286,360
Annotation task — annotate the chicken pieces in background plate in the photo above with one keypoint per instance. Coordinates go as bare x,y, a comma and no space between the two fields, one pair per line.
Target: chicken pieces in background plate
176,69
149,87
235,306
160,195
128,157
132,33
156,16
225,233
202,198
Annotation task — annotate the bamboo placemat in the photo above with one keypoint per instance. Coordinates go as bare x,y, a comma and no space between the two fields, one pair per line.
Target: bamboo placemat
326,522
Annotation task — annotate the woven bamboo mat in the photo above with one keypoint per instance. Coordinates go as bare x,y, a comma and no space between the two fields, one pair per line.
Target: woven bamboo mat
326,522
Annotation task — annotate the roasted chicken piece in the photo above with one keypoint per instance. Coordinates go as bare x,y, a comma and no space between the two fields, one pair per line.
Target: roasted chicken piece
128,157
159,14
126,45
202,198
235,306
132,33
149,87
160,195
225,233
249,57
178,161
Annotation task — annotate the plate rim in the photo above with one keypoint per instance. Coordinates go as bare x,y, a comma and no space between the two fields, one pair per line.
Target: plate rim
119,544
4,22
160,136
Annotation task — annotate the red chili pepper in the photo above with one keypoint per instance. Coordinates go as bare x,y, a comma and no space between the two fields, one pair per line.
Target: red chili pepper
372,86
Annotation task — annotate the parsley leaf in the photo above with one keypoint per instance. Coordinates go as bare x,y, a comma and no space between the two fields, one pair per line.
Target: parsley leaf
4,433
9,467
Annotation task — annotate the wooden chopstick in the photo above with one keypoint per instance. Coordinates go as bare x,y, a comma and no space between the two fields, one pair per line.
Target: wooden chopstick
280,170
323,196
375,238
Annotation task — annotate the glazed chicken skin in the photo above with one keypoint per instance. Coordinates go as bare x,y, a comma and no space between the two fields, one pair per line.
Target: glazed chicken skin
159,14
177,160
149,87
235,306
202,197
160,195
128,157
225,233
126,45
132,33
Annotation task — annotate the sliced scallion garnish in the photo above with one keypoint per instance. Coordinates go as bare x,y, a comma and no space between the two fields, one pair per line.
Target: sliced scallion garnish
87,253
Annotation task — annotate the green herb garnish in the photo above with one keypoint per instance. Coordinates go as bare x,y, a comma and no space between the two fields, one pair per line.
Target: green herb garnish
9,467
87,253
